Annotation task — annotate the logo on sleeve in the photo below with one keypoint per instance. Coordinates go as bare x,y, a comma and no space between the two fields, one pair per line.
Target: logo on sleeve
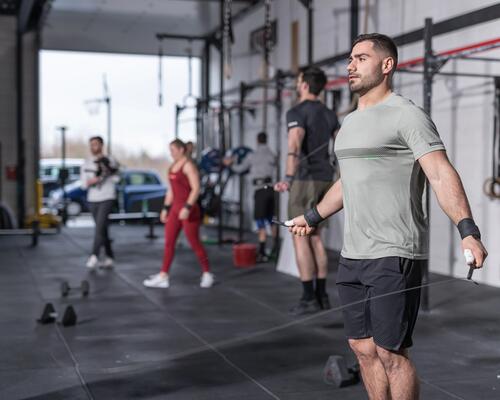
292,124
431,144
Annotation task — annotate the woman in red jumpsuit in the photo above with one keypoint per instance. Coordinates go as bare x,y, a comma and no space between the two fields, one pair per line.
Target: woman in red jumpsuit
181,211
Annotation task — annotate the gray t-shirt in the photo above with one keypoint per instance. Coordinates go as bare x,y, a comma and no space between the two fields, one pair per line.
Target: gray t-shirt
383,184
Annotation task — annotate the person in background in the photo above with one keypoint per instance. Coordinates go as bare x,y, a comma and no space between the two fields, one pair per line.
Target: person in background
262,166
181,211
309,175
99,177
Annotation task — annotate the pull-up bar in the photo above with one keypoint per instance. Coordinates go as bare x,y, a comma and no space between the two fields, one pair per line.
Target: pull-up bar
458,52
163,36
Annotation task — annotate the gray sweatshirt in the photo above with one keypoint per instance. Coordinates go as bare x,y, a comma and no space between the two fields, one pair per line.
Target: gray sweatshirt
261,162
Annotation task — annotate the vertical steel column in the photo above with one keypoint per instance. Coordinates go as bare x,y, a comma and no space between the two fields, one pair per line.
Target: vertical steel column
495,172
241,179
428,75
354,19
199,128
310,32
20,167
177,112
1,175
203,108
267,50
279,112
427,102
222,135
205,126
205,78
108,104
354,26
264,102
228,118
63,174
36,149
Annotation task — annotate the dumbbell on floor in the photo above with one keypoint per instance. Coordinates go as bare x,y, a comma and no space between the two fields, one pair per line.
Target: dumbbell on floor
337,373
84,288
49,315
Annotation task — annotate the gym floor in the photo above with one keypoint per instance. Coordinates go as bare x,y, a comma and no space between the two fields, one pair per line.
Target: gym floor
190,343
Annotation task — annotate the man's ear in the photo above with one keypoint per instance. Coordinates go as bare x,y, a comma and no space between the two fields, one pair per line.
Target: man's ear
387,65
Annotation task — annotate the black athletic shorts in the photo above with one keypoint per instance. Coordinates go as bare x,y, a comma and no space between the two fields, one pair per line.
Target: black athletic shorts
264,203
390,319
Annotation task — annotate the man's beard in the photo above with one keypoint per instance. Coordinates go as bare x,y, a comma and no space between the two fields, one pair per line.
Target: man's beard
362,86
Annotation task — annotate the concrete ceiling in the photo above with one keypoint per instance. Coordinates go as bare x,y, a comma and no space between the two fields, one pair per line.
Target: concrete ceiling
130,26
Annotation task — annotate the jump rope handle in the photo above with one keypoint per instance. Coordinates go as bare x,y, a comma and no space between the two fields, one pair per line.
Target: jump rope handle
469,259
286,224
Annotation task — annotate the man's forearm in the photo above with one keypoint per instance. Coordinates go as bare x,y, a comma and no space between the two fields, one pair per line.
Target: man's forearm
332,202
450,194
291,162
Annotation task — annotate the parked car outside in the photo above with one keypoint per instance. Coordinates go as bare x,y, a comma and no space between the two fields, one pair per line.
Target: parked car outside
138,190
49,169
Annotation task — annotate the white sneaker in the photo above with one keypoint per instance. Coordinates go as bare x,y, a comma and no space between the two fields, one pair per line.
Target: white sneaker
92,262
207,280
157,281
108,263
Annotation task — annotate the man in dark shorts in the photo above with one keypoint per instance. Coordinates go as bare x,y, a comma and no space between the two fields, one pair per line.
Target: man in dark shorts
262,166
385,149
309,175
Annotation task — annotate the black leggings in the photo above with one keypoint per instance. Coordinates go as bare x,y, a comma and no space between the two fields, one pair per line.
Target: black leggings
100,211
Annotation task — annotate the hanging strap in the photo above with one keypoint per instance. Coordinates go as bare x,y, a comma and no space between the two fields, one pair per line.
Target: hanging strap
227,38
160,78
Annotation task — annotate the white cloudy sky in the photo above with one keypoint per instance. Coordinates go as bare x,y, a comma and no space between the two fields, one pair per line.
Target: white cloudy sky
67,79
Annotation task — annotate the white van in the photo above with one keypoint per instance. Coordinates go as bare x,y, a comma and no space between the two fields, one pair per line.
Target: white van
49,172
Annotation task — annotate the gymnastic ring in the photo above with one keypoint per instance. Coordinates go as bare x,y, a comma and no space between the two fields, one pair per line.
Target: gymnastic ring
491,188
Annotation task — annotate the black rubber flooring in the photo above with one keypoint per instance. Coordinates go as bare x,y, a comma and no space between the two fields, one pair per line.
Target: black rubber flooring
191,343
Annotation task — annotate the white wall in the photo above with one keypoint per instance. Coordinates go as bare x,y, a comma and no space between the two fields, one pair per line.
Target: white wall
462,107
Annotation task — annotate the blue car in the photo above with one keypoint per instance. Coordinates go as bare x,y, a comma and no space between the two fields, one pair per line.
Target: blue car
138,190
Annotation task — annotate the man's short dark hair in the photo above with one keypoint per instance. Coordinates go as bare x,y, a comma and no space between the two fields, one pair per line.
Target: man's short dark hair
316,79
98,138
262,138
380,42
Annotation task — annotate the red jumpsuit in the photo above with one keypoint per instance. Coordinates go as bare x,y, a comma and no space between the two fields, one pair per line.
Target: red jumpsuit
179,184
